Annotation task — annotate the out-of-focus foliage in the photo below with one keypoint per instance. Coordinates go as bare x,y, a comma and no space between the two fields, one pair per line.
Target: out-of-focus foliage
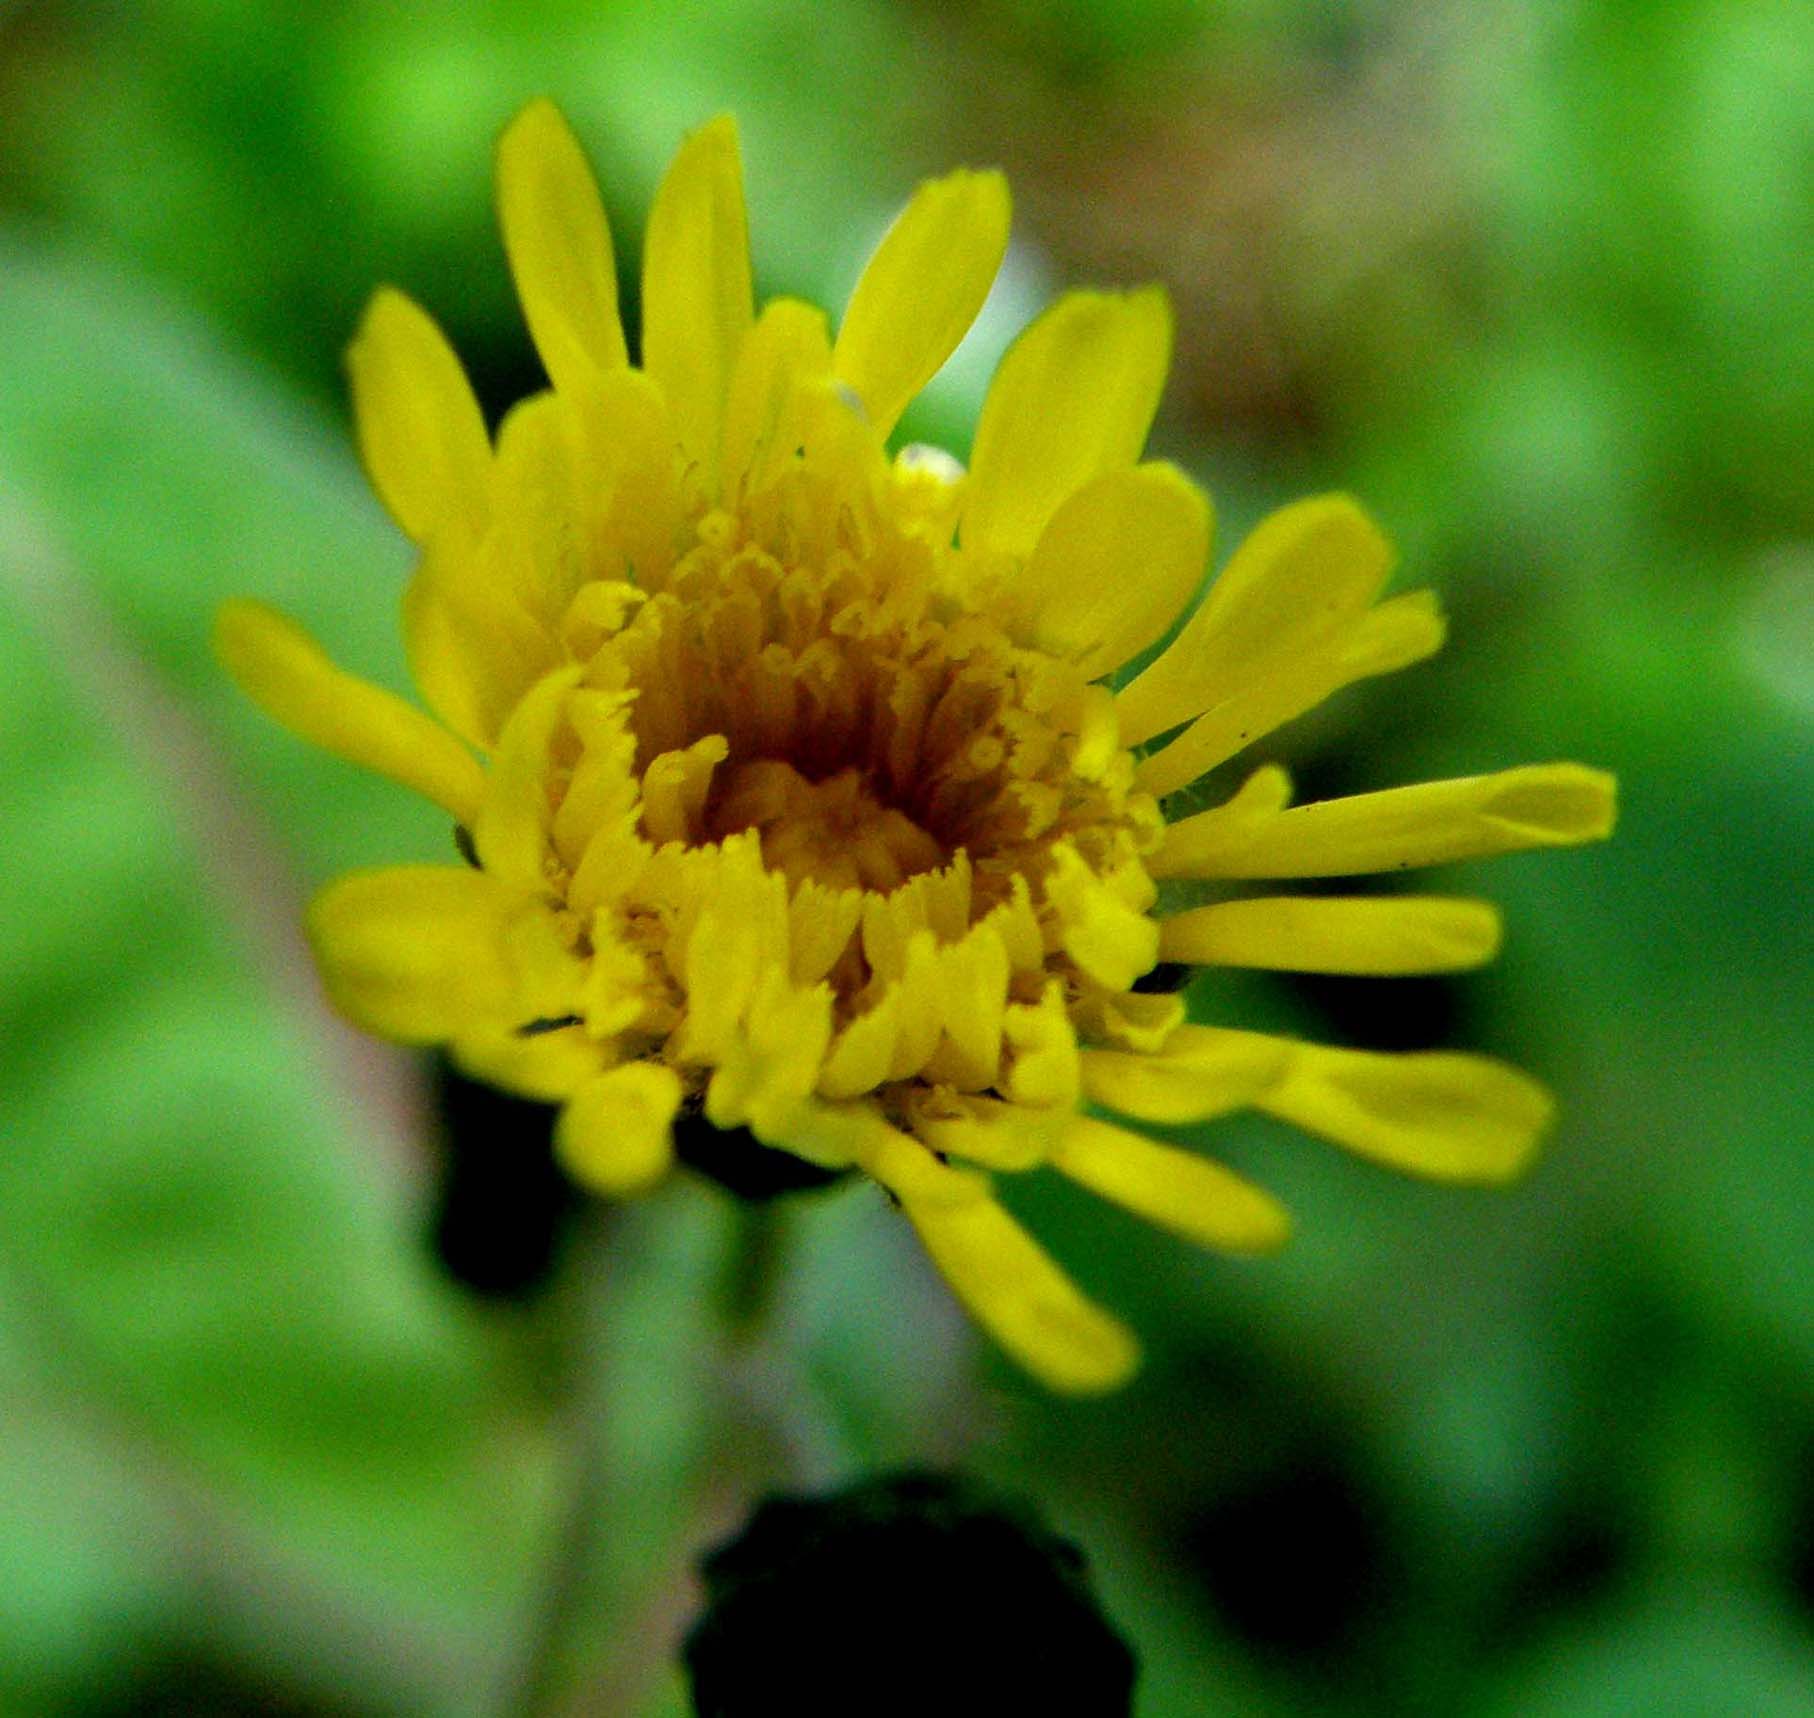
1536,281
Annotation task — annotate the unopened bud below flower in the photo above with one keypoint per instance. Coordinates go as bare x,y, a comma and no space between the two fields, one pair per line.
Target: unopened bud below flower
915,1593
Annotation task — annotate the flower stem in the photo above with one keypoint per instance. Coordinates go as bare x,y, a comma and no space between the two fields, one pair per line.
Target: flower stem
751,1276
744,1296
536,1687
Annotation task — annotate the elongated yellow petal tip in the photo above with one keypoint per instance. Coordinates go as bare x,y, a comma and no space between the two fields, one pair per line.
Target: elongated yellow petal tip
1432,823
922,289
289,676
1276,634
1390,936
559,244
1444,1114
1565,804
697,303
421,434
1192,1196
720,131
1073,398
1016,1291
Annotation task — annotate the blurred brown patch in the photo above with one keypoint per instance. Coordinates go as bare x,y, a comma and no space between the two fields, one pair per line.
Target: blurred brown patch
1303,207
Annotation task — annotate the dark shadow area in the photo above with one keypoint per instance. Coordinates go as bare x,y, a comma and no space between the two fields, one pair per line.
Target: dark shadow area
1294,1559
503,1209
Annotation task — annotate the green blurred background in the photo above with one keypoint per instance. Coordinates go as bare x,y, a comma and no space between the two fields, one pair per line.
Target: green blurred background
285,1420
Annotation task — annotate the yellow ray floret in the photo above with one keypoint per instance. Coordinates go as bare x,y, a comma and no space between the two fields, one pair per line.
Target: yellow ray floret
696,286
1294,933
798,798
1541,805
290,676
559,244
420,432
921,291
1073,399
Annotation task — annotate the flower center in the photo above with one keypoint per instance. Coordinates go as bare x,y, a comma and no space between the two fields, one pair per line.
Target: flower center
797,757
837,832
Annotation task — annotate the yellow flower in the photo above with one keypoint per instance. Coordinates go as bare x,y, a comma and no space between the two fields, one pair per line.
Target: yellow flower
805,802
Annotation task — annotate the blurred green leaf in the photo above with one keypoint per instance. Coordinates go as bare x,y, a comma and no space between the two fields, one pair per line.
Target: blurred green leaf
197,1180
1701,1649
88,1567
152,475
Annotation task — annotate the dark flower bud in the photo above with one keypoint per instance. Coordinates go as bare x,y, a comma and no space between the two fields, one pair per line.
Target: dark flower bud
915,1593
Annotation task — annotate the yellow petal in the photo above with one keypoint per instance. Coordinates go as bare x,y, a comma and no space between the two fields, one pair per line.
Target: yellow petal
1016,1291
585,495
1384,639
547,1066
618,991
1442,1114
909,1171
627,436
419,953
1129,1020
1306,571
1540,805
512,829
787,350
773,1062
737,941
921,291
1110,939
821,922
559,245
1043,1070
1008,1282
546,515
1202,1072
420,431
975,980
1386,936
1394,634
616,1134
1187,1194
551,979
696,286
1074,397
864,1052
674,789
1118,561
920,1019
601,789
473,648
985,1131
288,675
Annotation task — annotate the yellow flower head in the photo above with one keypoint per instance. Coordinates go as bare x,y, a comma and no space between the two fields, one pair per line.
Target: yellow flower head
795,789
